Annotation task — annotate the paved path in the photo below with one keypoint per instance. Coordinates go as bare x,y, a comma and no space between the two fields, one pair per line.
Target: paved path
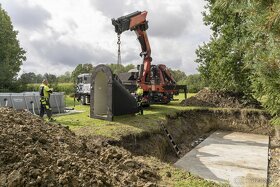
239,159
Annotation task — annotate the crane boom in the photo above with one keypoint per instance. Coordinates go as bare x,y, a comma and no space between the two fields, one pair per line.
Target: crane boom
137,22
157,83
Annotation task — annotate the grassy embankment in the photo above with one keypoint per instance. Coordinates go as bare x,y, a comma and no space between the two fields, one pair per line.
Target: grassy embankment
122,125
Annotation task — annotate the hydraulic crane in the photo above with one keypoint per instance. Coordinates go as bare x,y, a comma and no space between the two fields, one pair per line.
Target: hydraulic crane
156,80
137,22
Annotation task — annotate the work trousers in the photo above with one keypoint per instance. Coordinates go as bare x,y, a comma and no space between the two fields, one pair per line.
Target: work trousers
45,107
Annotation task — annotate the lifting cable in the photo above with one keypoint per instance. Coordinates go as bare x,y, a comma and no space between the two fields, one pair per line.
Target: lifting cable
119,49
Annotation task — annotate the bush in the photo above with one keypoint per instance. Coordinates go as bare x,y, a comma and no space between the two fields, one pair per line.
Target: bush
32,87
67,88
194,83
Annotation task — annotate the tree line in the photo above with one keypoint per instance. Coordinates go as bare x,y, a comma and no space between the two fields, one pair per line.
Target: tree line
194,82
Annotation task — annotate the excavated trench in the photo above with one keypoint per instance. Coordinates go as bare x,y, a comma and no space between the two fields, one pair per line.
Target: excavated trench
189,128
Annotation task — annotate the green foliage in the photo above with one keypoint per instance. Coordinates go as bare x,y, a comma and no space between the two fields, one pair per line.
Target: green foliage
221,60
177,75
11,54
67,88
80,69
31,82
66,77
30,77
243,54
33,87
193,82
119,68
52,79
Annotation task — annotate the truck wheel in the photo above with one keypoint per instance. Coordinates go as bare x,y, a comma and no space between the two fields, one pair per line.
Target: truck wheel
83,100
141,111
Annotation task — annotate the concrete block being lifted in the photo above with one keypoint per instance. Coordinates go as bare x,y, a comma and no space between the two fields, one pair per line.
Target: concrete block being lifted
108,97
239,159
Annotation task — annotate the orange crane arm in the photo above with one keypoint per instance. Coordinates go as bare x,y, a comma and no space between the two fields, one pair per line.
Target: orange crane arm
137,22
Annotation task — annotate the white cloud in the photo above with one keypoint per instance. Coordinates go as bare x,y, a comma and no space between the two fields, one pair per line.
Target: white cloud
58,35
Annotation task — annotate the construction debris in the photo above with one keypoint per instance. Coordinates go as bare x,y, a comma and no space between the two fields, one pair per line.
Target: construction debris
36,153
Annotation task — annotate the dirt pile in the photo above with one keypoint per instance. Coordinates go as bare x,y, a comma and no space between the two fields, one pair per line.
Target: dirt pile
209,98
35,153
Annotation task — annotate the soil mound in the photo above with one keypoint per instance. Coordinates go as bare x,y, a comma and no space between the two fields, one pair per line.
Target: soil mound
209,98
35,153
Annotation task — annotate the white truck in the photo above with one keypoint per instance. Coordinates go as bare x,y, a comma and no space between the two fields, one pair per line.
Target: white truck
83,88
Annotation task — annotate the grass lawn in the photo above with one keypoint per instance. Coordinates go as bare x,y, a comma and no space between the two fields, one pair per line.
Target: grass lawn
122,125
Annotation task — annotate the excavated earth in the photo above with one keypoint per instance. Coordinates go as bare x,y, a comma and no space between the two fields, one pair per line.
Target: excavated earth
36,153
210,98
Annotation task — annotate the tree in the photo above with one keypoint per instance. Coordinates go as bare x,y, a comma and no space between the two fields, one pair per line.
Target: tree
66,77
194,83
177,75
245,48
80,69
119,68
52,79
28,78
222,59
11,54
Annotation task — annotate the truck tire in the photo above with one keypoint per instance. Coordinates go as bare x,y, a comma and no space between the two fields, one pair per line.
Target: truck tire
83,100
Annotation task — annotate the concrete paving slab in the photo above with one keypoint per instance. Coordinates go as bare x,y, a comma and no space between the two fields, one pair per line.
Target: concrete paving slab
239,159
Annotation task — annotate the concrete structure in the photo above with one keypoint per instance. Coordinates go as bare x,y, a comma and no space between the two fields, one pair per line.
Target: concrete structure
108,96
239,159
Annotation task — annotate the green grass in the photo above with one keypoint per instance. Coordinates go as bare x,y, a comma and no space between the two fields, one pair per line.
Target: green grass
82,124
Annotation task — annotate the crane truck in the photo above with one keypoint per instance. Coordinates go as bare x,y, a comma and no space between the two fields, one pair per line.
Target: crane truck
157,83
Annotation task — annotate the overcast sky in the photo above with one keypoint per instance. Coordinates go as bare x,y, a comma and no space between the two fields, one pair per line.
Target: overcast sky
60,34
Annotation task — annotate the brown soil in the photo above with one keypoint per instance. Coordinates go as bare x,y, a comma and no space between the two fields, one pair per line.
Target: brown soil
35,153
209,98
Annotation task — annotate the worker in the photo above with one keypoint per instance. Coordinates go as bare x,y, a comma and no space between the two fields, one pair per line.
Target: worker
45,92
139,96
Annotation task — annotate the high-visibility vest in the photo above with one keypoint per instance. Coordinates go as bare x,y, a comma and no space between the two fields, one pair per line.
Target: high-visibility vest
45,91
139,91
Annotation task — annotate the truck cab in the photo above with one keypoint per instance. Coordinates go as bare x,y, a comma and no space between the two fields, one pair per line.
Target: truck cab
83,88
